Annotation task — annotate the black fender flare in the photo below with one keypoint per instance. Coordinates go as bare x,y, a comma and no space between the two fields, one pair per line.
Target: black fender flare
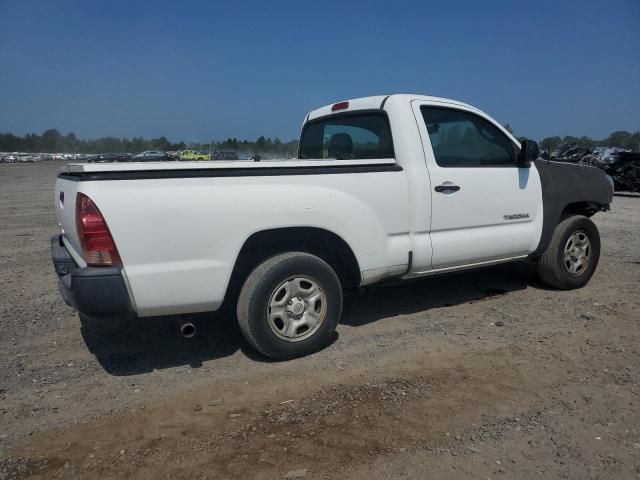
569,189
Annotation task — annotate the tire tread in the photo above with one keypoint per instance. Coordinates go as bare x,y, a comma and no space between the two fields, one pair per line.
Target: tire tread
549,270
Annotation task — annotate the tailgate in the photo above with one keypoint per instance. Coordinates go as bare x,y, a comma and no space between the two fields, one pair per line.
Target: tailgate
65,201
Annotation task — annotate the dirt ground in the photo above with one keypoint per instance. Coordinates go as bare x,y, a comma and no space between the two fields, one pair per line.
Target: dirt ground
483,374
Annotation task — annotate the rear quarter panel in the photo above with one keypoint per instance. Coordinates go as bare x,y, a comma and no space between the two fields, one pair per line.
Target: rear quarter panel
179,238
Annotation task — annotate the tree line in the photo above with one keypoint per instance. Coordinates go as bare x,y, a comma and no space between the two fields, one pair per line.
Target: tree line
620,138
52,141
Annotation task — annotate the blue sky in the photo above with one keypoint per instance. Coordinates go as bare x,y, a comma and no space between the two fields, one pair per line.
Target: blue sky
203,70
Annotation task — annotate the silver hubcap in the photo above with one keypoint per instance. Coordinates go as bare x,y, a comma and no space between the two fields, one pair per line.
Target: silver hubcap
297,308
577,252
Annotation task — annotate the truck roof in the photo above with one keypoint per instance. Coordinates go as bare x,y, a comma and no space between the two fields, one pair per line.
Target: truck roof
377,101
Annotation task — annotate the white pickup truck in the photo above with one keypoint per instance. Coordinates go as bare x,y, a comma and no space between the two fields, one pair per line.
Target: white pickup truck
385,187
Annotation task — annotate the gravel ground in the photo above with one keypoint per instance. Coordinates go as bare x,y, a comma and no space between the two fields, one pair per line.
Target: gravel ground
483,374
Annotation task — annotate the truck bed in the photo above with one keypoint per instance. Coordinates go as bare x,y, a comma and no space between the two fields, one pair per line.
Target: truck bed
80,168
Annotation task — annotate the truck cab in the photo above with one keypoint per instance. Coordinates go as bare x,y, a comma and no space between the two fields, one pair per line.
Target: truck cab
475,202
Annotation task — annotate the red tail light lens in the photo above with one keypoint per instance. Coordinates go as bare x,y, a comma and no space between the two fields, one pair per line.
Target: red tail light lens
339,106
98,246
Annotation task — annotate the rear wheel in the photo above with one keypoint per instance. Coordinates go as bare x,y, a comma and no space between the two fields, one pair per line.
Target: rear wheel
290,305
572,256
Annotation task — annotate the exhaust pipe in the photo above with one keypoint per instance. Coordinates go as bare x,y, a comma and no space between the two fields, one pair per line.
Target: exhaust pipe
187,329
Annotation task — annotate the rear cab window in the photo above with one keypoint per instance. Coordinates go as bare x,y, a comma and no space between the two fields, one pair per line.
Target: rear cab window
347,136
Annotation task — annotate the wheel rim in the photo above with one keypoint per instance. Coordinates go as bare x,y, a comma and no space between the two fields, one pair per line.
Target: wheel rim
297,308
577,253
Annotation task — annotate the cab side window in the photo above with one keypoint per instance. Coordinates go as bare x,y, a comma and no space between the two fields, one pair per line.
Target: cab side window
461,139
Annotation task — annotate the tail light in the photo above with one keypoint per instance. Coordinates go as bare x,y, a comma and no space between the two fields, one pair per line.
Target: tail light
98,246
339,106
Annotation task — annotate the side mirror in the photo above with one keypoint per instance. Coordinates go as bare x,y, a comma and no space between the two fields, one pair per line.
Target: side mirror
529,152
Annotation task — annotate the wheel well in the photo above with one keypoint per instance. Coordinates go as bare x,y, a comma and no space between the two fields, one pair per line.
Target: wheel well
588,209
316,241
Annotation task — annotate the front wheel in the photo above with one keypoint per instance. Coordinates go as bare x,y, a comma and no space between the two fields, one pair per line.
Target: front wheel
572,256
290,305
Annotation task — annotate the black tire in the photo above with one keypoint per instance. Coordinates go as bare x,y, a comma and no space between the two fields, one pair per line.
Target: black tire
551,265
261,284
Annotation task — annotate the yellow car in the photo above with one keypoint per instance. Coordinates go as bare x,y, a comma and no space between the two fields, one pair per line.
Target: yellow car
192,155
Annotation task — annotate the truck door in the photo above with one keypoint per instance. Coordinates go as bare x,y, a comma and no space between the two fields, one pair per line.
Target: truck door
484,207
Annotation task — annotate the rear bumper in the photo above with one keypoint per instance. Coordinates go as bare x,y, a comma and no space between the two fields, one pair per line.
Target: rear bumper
96,292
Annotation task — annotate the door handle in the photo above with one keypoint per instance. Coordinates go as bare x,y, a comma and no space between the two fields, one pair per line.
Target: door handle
447,188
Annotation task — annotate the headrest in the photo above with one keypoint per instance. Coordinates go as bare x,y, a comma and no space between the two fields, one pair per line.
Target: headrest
340,146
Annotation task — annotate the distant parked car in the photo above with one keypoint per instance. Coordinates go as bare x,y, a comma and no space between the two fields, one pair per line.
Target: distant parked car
192,155
224,155
150,156
110,157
